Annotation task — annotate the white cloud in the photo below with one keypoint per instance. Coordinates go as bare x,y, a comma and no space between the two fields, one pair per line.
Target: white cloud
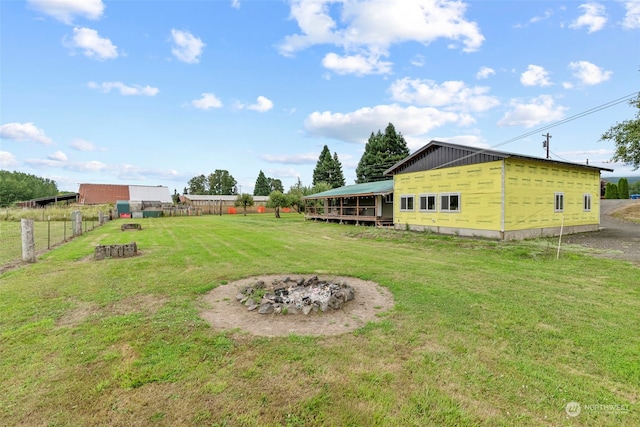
92,45
356,126
65,10
82,145
539,110
206,102
293,159
588,73
367,29
485,72
356,64
8,160
418,61
594,17
632,17
235,4
535,76
547,14
187,47
262,105
455,95
88,166
24,132
124,89
58,156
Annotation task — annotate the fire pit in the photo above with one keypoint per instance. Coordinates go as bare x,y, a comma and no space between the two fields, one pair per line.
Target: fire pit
223,310
289,296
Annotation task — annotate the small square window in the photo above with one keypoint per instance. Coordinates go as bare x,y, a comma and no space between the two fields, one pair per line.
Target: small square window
406,203
450,202
586,203
428,202
388,198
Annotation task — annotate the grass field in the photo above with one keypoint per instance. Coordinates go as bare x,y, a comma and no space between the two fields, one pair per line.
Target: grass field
482,333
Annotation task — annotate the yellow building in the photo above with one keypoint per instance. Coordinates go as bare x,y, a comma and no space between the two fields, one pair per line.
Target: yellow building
468,191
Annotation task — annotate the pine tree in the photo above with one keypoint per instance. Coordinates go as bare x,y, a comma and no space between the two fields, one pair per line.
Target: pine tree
262,185
380,153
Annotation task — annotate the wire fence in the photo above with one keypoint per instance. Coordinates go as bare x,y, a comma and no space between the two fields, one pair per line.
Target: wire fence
47,233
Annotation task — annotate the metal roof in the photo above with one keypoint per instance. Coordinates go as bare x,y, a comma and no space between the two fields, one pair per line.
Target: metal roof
92,194
220,197
365,189
437,154
149,193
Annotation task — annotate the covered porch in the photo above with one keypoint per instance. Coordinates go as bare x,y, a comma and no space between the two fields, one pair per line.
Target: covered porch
370,203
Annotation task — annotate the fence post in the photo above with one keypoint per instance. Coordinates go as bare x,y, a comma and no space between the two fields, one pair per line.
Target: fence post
100,218
76,221
28,240
49,232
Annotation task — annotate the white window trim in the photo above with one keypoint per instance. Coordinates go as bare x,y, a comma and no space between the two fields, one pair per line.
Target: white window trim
557,208
585,197
446,209
388,198
413,202
435,202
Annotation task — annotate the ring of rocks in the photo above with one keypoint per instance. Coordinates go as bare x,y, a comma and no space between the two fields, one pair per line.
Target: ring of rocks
294,304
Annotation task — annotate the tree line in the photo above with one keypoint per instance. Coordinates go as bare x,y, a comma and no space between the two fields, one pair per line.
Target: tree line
19,186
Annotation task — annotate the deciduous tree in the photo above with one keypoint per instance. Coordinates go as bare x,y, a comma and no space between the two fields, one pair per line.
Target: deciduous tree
278,200
626,136
222,183
244,200
18,186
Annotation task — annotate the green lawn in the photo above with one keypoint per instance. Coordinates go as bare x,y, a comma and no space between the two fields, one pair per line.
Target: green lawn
482,333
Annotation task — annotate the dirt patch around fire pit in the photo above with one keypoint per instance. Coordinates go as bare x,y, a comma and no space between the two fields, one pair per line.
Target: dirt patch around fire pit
225,312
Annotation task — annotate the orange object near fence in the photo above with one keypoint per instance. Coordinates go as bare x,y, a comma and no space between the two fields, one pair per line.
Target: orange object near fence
261,209
232,211
286,210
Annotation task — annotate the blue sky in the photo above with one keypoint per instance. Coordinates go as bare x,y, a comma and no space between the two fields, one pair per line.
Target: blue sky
157,92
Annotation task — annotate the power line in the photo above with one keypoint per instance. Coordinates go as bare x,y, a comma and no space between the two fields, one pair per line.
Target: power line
601,107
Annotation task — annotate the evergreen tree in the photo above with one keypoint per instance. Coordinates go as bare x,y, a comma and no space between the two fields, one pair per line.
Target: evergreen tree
262,186
380,153
324,167
623,188
337,178
328,169
611,192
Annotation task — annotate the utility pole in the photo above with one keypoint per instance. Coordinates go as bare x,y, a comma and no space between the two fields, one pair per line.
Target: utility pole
545,143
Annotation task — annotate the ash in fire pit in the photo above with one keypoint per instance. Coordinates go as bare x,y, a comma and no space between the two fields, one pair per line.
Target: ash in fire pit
296,296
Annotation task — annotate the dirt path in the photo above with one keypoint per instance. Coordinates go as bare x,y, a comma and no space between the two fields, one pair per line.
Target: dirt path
619,238
224,312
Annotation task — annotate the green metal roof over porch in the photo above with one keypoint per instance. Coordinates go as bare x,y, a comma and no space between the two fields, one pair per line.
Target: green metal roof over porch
366,189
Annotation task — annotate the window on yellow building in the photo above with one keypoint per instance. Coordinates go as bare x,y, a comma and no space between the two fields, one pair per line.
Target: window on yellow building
559,202
586,202
428,202
406,203
450,202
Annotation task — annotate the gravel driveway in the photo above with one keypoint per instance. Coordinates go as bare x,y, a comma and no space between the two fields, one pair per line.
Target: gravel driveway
619,239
